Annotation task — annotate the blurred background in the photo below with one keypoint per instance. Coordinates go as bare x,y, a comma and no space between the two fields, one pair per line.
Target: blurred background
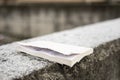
22,19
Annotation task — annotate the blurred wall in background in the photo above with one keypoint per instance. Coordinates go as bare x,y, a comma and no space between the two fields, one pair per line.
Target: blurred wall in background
39,19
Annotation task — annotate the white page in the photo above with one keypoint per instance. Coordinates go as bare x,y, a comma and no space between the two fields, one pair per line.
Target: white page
57,52
61,48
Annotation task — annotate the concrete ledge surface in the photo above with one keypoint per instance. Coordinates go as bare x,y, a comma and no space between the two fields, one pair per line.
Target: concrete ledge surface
103,64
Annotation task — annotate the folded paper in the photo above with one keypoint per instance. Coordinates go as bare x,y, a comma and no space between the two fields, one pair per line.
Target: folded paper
57,52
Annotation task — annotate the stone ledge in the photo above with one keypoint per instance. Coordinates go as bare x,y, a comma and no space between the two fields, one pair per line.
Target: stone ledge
103,64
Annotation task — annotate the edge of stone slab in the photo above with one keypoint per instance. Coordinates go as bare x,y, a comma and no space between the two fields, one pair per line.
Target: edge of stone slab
88,65
54,71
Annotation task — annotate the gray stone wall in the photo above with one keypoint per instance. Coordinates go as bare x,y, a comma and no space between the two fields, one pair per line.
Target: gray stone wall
36,20
103,64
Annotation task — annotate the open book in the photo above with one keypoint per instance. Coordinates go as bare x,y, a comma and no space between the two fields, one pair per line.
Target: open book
57,52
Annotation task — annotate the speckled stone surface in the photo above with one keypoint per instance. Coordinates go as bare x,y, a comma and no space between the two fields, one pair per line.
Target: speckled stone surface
103,64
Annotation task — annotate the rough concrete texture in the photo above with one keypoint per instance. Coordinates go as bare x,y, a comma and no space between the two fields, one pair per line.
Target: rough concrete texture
103,64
